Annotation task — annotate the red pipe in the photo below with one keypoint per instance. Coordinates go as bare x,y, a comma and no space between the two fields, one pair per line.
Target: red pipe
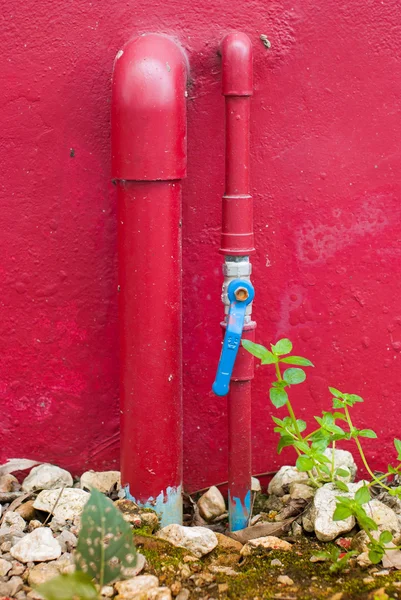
148,162
237,240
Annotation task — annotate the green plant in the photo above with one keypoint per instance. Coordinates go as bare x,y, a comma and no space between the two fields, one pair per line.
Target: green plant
105,547
311,447
337,557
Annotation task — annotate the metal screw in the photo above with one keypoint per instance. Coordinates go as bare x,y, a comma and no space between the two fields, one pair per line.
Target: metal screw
241,294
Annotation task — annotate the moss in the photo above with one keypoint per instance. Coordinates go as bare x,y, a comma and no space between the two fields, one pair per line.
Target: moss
257,579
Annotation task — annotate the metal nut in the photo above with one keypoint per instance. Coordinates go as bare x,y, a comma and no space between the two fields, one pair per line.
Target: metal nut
241,294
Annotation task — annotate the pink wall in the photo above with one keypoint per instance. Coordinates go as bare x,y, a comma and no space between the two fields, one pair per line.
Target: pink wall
326,183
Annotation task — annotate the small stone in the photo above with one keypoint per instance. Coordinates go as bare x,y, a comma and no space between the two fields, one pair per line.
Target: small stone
255,485
131,511
381,573
301,491
198,540
225,570
160,593
211,504
10,534
176,588
13,519
18,568
37,546
41,573
269,542
280,484
6,547
20,595
34,524
363,560
103,481
276,563
26,510
296,529
183,595
367,580
47,477
70,502
222,587
322,511
149,519
15,585
65,564
227,543
140,564
5,567
342,458
9,483
130,587
107,591
67,541
33,595
285,580
57,525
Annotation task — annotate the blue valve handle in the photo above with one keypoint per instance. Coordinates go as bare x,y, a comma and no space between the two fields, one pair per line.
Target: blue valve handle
232,338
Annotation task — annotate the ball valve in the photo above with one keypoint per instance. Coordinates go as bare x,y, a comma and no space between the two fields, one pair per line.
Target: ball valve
240,293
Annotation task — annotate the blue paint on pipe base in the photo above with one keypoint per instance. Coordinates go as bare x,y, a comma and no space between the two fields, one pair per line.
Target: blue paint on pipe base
168,505
239,511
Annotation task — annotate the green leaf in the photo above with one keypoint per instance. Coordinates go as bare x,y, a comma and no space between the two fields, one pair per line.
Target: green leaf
386,537
351,399
304,463
391,470
397,444
376,555
105,544
341,486
335,392
342,512
266,357
301,425
303,446
279,422
285,440
367,433
283,346
294,376
342,472
362,496
297,360
68,587
337,403
278,396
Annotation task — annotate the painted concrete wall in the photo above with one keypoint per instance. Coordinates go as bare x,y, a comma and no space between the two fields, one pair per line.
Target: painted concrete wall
326,182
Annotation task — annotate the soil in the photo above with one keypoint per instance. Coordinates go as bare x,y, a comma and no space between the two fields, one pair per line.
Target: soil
257,579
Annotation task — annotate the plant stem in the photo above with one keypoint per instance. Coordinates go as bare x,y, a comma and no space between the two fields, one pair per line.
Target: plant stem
333,447
361,452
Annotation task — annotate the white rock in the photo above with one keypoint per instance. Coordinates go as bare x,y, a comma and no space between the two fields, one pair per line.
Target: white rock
280,484
285,580
37,546
67,540
101,480
41,573
47,477
343,458
211,504
301,491
140,564
363,560
13,519
269,542
130,587
5,566
70,504
107,590
198,540
385,519
255,485
322,510
161,593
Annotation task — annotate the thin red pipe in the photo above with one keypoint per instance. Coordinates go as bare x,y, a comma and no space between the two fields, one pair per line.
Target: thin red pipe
237,240
148,163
